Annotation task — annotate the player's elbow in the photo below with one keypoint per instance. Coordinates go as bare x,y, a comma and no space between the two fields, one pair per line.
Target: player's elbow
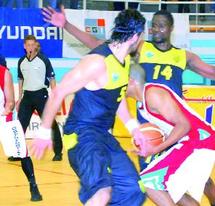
56,94
186,126
11,104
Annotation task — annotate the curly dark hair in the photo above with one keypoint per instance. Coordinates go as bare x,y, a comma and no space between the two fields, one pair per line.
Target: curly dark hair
127,23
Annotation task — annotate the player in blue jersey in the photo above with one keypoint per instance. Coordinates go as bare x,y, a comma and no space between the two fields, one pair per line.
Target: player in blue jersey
107,175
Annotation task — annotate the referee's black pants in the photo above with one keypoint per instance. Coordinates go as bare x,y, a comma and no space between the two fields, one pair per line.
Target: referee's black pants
36,100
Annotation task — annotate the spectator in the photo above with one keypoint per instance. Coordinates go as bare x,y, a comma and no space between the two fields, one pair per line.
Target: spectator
202,7
184,8
163,6
10,3
52,3
212,10
119,6
74,4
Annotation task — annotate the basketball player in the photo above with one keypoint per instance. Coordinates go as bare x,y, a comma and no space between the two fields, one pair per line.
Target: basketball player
187,165
99,80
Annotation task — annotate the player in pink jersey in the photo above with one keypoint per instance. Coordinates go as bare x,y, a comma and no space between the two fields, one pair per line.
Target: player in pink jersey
187,165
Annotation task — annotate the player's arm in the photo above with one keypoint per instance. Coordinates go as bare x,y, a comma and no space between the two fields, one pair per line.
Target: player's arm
52,83
84,73
20,93
9,93
59,19
124,114
161,102
20,84
197,65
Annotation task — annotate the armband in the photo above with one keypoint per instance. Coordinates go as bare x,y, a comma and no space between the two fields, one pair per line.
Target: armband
131,125
44,133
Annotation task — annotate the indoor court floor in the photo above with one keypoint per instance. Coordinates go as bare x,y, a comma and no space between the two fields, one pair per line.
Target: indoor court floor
57,182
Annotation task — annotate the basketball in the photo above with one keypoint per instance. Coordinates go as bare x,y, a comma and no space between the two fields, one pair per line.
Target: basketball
152,133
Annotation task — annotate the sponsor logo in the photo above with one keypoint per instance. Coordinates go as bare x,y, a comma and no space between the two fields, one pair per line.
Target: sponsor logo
40,32
149,54
115,77
95,27
16,138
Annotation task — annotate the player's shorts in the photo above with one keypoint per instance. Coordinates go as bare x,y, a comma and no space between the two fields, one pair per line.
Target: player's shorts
99,161
185,167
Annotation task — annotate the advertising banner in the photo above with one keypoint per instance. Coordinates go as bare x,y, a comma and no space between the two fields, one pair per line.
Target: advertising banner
15,24
202,100
100,24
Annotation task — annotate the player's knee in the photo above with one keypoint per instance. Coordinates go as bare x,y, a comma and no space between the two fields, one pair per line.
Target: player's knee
209,183
100,198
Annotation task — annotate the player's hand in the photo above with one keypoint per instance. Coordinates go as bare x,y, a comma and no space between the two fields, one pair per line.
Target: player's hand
54,17
6,112
41,142
142,147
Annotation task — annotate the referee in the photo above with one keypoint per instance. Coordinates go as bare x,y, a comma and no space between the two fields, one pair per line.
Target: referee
35,74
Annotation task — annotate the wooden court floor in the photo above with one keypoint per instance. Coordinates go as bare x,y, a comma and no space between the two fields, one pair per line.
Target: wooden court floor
57,182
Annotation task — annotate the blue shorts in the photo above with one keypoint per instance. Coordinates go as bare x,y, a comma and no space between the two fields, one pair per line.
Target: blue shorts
100,162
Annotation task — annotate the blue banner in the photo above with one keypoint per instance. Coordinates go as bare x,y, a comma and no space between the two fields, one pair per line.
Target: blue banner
15,24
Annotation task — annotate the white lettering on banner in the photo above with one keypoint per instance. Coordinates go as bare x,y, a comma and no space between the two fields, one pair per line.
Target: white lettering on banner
40,32
16,137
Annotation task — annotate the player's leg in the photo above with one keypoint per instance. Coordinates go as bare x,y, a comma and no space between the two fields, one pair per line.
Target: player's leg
24,116
91,161
126,189
101,197
187,200
209,191
160,198
28,169
57,142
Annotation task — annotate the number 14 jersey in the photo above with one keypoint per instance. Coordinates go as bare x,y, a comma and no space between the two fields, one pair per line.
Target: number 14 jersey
163,67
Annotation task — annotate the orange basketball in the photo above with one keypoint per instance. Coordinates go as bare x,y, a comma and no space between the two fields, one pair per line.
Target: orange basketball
152,133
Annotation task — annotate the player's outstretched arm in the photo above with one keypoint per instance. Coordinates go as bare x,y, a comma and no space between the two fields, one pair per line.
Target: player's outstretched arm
58,18
197,65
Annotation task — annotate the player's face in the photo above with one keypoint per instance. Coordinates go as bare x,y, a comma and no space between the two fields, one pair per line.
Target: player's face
30,46
161,29
134,46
